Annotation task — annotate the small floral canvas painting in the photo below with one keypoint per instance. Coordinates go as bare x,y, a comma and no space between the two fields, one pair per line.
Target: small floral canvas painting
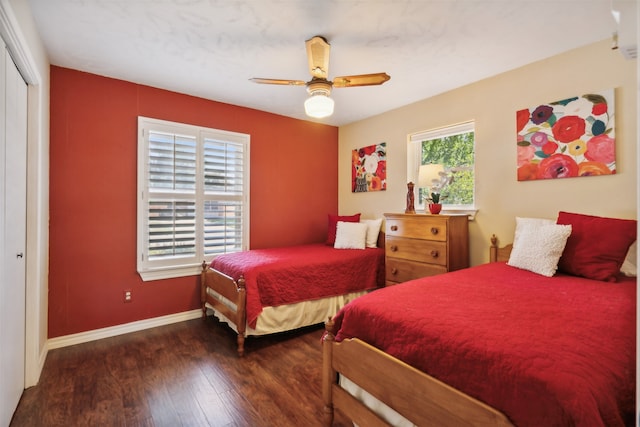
369,168
569,138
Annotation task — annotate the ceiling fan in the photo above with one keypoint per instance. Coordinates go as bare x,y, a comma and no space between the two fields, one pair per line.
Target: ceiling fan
319,104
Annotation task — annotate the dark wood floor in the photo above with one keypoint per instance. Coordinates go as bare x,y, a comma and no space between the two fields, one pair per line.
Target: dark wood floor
185,374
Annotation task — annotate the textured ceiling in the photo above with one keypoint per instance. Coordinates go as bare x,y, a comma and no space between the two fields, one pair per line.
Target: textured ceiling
210,48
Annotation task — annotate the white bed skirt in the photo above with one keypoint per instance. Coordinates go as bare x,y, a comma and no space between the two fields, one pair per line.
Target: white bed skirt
289,317
382,410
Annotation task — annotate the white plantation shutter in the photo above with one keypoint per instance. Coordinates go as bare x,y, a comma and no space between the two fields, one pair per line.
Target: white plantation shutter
171,207
224,173
223,227
223,167
172,229
194,189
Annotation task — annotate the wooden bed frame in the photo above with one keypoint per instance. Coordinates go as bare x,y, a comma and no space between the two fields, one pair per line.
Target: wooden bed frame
233,290
418,397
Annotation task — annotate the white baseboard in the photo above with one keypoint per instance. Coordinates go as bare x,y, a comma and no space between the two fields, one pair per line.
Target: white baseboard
34,369
126,328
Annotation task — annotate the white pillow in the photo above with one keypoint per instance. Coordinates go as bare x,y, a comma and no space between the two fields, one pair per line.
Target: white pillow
630,266
539,247
524,223
350,235
373,229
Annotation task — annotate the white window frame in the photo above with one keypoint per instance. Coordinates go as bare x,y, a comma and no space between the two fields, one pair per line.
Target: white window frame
180,266
414,160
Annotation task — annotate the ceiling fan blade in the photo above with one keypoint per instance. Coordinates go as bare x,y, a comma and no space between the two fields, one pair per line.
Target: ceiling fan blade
318,54
361,80
278,82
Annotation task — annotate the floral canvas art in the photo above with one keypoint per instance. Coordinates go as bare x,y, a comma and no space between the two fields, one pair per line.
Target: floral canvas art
569,138
369,168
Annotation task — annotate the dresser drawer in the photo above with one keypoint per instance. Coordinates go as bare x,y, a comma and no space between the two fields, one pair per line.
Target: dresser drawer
428,251
422,227
398,270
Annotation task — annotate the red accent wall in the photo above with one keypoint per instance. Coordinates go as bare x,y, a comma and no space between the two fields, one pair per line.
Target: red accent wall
294,184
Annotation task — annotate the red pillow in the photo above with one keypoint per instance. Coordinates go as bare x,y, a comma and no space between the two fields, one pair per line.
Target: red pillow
333,223
597,246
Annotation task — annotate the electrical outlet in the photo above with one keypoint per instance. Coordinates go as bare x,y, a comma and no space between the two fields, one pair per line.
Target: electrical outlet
127,296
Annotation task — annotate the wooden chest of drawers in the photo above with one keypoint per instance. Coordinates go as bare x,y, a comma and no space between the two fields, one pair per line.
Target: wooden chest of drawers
419,245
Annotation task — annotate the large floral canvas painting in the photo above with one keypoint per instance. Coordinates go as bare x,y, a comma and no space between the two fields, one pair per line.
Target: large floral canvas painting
369,168
569,138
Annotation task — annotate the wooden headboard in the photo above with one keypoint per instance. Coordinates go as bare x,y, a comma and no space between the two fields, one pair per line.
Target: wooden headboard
497,253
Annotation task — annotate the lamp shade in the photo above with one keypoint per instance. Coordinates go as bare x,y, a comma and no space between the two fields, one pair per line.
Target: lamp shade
318,105
429,174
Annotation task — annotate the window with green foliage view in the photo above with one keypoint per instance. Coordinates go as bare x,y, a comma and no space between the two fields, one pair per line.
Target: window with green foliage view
452,147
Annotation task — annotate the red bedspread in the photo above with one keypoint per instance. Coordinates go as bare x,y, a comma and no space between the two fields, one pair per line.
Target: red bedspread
544,351
278,276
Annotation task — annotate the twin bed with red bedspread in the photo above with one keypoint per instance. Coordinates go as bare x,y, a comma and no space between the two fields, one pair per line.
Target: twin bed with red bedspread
265,291
280,276
273,290
544,350
496,344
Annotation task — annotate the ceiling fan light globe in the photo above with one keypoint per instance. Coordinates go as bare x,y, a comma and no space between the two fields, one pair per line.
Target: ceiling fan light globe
318,106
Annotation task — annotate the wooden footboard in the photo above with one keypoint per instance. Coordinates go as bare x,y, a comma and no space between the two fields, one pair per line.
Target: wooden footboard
233,290
418,397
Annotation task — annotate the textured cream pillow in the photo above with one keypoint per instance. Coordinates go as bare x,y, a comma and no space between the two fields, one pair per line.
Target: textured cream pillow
630,266
350,235
373,229
539,247
526,223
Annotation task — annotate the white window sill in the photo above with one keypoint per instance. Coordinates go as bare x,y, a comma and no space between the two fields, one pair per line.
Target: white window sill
471,213
170,272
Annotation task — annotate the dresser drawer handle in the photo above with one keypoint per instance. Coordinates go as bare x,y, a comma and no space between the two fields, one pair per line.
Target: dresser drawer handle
394,228
393,248
434,253
434,230
394,271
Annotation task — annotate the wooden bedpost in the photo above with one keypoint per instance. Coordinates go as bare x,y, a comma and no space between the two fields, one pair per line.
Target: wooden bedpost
499,254
241,310
329,377
203,289
493,250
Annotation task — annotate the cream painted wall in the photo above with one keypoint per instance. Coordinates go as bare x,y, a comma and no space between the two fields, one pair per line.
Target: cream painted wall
493,103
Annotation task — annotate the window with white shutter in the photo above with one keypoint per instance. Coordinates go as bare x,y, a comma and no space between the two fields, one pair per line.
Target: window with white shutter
193,196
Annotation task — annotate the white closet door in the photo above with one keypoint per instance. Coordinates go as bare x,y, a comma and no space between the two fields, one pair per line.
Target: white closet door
13,161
